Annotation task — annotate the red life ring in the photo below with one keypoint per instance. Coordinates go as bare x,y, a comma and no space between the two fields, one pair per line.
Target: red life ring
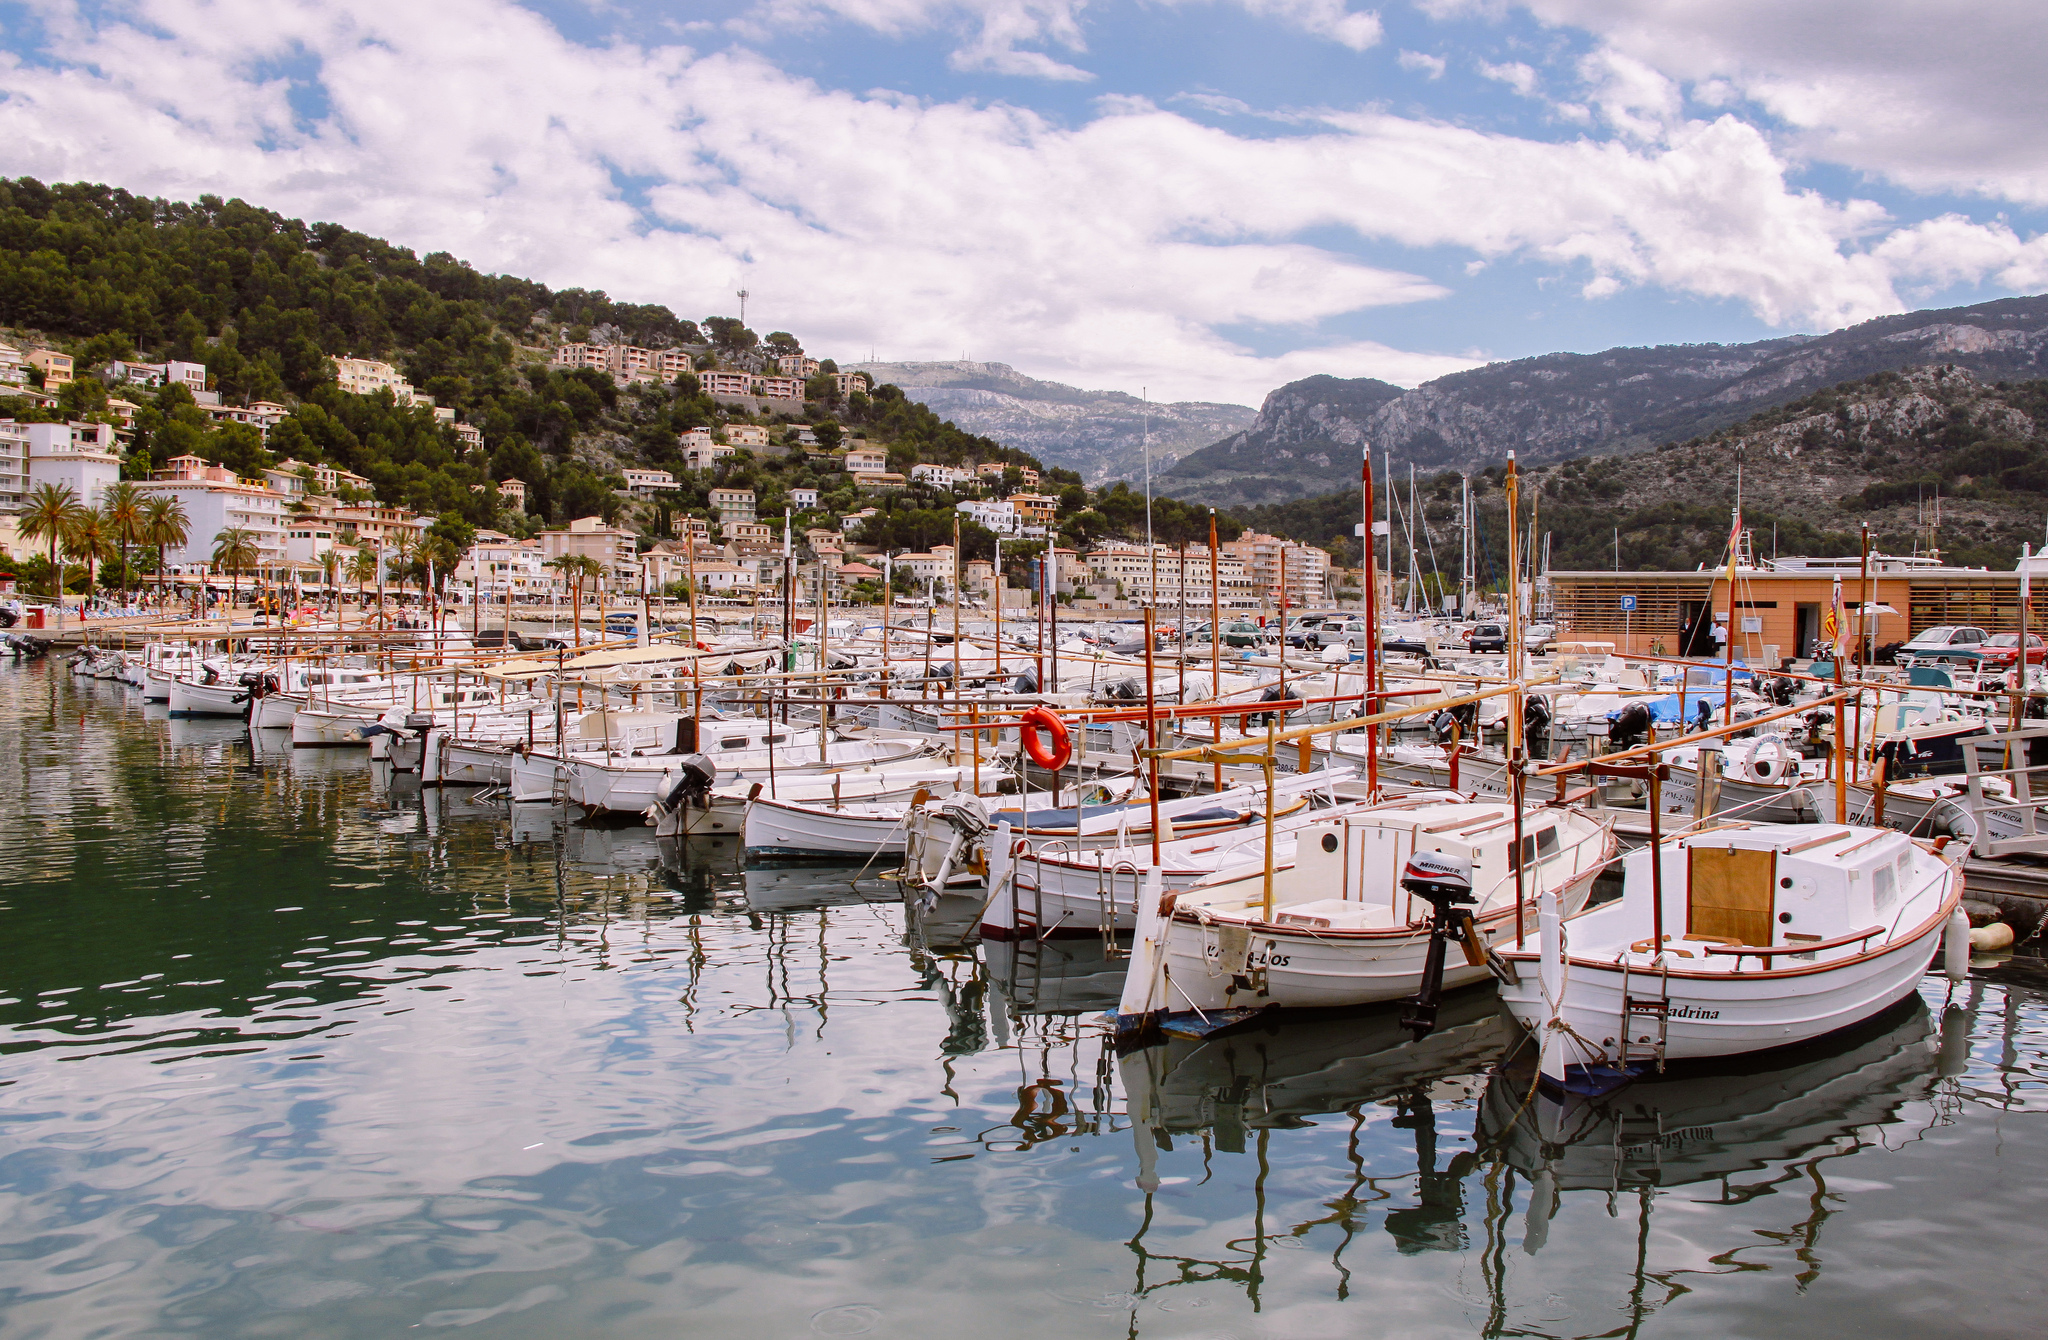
1039,719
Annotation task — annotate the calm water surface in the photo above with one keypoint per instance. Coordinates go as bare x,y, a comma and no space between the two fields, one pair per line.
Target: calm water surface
288,1048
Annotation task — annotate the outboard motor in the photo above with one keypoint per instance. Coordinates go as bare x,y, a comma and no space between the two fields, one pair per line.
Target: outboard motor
1782,691
1628,727
1445,883
1026,684
1536,725
1461,717
1703,716
965,814
1128,690
685,788
1273,694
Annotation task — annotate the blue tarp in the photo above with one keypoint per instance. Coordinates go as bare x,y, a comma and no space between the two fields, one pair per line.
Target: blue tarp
1675,707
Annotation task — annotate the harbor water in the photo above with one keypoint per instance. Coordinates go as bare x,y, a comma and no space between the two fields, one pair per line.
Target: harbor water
291,1048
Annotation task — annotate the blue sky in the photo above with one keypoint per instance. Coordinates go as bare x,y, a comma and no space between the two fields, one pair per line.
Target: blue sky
1202,198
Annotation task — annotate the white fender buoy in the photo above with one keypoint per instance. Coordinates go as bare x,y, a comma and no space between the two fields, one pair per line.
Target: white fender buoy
1955,946
1144,993
1990,939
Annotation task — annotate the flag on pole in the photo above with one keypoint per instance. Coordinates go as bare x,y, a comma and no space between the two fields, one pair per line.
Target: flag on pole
1834,627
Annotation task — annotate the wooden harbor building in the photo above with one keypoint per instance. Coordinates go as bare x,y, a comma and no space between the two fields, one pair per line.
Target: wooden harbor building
1781,603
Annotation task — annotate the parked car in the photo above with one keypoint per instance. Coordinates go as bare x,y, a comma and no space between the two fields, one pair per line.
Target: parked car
1352,633
1306,632
1489,637
2003,649
1947,644
1243,633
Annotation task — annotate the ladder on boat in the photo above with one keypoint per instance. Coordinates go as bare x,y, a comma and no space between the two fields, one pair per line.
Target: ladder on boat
1635,1008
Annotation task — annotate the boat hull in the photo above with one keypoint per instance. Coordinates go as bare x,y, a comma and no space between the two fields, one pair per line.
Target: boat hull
191,699
778,829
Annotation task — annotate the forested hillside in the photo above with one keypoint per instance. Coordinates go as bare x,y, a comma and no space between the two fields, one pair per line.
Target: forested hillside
265,301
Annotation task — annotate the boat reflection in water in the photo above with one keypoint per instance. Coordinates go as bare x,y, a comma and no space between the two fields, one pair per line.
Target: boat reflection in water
1706,1122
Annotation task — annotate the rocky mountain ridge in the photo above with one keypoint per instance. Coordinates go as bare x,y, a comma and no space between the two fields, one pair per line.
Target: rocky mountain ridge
1307,437
1101,434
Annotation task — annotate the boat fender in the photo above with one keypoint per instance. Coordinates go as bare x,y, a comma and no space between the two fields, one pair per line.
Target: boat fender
1052,758
1955,946
1990,939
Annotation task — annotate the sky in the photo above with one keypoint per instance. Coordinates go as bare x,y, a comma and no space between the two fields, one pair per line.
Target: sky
1191,199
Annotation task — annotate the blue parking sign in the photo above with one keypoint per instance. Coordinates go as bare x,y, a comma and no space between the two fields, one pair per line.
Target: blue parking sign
1628,604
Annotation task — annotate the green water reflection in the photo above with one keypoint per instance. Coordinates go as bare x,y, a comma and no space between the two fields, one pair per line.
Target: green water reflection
288,1048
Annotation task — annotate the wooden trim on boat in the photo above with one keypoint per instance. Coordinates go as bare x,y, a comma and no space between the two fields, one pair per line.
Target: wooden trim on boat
1822,840
1808,947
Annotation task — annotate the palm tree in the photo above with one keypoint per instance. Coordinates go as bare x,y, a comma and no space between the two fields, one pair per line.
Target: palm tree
234,549
123,504
402,546
330,564
91,540
53,510
576,567
164,523
363,567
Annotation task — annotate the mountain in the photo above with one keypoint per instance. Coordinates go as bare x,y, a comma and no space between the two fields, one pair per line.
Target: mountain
1100,434
1307,436
1931,457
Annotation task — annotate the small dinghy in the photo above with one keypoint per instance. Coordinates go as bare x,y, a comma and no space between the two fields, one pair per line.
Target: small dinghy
1742,938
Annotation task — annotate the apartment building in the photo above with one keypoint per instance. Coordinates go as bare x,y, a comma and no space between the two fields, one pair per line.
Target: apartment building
83,457
1164,577
215,500
993,471
797,366
849,384
502,567
14,448
646,483
864,461
733,504
1037,513
746,532
626,362
803,500
589,537
57,368
869,481
367,376
750,385
13,367
746,434
368,524
1307,568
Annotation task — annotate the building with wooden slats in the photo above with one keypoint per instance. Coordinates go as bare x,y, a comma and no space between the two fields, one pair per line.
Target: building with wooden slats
1781,605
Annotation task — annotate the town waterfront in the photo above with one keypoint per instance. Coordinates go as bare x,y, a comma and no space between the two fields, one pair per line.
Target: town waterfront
291,1048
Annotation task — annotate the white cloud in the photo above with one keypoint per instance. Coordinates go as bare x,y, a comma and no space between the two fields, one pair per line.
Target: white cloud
1516,75
1432,66
1942,97
1321,18
1119,251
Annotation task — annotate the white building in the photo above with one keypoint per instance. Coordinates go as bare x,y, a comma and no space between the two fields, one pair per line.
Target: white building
14,483
803,500
367,376
13,366
999,517
943,476
191,376
864,461
746,434
83,457
505,566
644,483
214,500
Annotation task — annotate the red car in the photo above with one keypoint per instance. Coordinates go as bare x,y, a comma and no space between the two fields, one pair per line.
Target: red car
2001,651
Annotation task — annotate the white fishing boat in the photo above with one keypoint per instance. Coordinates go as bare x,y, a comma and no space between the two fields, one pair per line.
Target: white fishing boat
856,829
300,683
676,812
627,784
1052,891
219,689
1352,922
1736,939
